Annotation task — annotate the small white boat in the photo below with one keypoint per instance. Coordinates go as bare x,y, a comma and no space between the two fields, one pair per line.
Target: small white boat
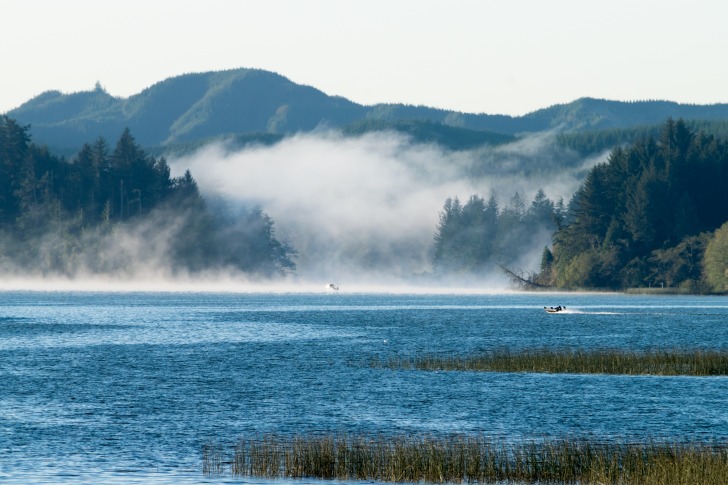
551,309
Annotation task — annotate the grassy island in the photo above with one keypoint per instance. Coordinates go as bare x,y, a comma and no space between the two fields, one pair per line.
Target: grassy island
672,362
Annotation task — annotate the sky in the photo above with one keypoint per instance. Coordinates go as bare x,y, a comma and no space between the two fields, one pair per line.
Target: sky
477,56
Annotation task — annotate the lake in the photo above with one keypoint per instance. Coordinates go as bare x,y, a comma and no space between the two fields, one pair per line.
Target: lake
128,387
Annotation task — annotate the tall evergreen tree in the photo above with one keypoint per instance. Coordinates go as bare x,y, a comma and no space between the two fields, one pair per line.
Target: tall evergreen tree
14,147
446,244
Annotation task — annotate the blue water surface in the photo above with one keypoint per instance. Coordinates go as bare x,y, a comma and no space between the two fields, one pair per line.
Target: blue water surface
129,387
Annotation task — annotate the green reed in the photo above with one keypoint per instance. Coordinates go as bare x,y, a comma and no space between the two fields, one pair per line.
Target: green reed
672,362
456,459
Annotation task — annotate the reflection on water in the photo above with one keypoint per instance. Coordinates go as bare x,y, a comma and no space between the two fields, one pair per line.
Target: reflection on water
123,387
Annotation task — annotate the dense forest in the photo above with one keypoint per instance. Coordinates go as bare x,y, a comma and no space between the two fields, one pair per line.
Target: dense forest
647,216
589,142
473,237
655,214
118,211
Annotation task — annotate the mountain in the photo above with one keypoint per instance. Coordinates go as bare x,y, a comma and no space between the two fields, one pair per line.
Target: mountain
424,131
192,107
599,114
186,108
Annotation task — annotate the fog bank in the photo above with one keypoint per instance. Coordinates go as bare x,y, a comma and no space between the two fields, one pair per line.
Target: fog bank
363,211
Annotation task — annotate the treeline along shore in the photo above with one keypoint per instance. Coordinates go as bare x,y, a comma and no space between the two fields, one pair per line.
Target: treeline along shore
117,210
655,214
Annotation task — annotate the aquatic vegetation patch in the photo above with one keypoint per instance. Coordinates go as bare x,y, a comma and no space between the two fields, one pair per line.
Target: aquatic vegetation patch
456,459
669,362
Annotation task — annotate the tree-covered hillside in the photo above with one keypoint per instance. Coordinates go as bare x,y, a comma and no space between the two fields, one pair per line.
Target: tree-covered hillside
645,217
601,114
450,137
116,210
655,214
589,142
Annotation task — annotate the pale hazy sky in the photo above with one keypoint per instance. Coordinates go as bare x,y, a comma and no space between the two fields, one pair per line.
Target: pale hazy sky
505,56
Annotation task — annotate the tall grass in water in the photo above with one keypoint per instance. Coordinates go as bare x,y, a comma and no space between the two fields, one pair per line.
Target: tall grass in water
474,459
213,460
673,362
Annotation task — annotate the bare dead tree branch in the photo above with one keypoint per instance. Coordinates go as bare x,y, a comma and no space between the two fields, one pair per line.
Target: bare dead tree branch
519,278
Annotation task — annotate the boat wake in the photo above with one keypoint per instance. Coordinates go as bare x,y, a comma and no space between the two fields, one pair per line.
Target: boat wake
590,312
569,310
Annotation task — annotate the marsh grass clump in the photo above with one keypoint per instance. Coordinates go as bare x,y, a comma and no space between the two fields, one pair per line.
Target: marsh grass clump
672,362
456,459
213,459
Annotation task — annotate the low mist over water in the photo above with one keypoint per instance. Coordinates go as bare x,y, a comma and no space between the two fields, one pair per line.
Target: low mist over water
365,209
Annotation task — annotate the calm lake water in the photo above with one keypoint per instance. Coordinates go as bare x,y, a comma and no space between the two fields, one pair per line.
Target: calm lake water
128,387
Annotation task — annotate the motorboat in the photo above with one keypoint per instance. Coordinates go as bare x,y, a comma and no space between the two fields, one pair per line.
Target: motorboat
557,309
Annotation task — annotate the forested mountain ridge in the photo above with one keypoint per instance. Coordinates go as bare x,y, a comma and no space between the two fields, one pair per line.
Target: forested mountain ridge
193,107
185,108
